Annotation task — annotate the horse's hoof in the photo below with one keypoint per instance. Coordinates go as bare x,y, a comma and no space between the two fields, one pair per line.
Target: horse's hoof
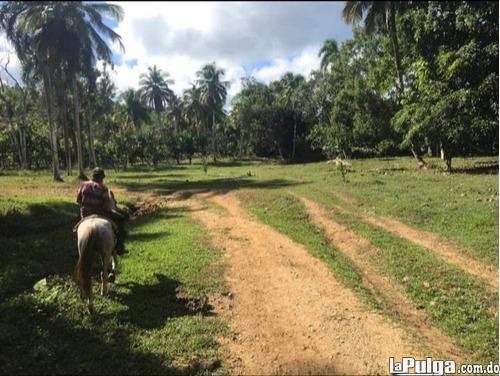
111,277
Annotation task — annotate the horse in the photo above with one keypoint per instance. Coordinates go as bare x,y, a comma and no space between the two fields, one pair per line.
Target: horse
95,237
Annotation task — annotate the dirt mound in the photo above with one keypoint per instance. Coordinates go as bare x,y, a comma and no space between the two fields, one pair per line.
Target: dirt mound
146,206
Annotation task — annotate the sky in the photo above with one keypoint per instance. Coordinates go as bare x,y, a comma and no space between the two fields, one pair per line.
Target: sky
259,39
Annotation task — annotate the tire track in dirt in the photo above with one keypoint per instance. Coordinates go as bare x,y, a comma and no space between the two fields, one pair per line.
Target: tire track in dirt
434,243
289,313
389,295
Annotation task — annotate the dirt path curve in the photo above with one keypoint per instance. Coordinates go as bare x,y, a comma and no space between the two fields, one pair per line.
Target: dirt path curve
389,295
437,245
290,315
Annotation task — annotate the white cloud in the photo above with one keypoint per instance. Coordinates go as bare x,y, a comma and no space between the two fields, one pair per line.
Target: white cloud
180,37
302,64
8,55
263,39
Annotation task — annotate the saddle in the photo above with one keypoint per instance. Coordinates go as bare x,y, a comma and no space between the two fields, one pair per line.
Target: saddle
113,224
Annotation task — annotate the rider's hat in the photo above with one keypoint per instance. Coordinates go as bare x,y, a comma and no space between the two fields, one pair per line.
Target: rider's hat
98,173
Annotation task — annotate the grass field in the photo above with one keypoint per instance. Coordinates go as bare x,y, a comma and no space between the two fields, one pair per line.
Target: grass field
157,319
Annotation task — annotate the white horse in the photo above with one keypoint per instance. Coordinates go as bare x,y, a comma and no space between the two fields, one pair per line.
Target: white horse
95,236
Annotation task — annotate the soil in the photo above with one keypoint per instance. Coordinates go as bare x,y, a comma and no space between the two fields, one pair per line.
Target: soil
288,313
389,295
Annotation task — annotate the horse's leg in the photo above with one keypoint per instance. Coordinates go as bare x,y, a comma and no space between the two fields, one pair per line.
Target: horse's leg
104,275
114,262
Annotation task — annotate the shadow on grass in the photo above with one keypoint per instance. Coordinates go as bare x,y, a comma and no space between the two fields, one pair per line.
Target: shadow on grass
137,176
151,305
216,185
37,241
484,168
43,341
36,219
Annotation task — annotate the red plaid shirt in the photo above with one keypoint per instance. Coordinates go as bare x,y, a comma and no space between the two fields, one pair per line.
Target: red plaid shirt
93,198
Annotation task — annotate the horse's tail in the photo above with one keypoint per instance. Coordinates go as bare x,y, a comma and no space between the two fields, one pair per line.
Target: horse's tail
87,247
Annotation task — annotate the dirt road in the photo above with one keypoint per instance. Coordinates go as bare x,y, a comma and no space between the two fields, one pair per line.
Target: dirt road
288,312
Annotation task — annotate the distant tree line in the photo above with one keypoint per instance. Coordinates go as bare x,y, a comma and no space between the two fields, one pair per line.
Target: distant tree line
416,77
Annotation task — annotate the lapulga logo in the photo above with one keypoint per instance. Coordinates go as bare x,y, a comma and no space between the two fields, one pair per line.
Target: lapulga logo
428,367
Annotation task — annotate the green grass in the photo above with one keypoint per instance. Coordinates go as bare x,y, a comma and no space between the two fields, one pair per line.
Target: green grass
461,206
156,319
145,327
457,302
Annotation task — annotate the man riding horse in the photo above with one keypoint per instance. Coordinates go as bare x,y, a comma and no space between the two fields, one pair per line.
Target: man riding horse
95,198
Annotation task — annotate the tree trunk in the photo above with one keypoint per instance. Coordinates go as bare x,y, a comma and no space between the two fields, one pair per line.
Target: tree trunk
294,135
446,157
47,83
418,157
67,148
79,154
92,159
63,119
395,46
16,149
213,137
399,70
22,147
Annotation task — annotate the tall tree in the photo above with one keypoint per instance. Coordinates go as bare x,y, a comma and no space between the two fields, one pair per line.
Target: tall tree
289,97
67,34
381,16
155,90
328,53
16,18
135,107
213,92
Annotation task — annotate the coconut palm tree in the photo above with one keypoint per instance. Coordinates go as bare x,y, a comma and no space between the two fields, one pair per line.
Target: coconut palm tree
35,65
288,96
174,112
68,35
381,15
155,91
135,107
328,53
213,93
377,15
193,110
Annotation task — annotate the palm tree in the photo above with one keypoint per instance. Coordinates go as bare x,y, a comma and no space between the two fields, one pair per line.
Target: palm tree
213,93
36,64
378,15
174,111
287,89
381,15
135,107
66,34
192,107
328,53
155,91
